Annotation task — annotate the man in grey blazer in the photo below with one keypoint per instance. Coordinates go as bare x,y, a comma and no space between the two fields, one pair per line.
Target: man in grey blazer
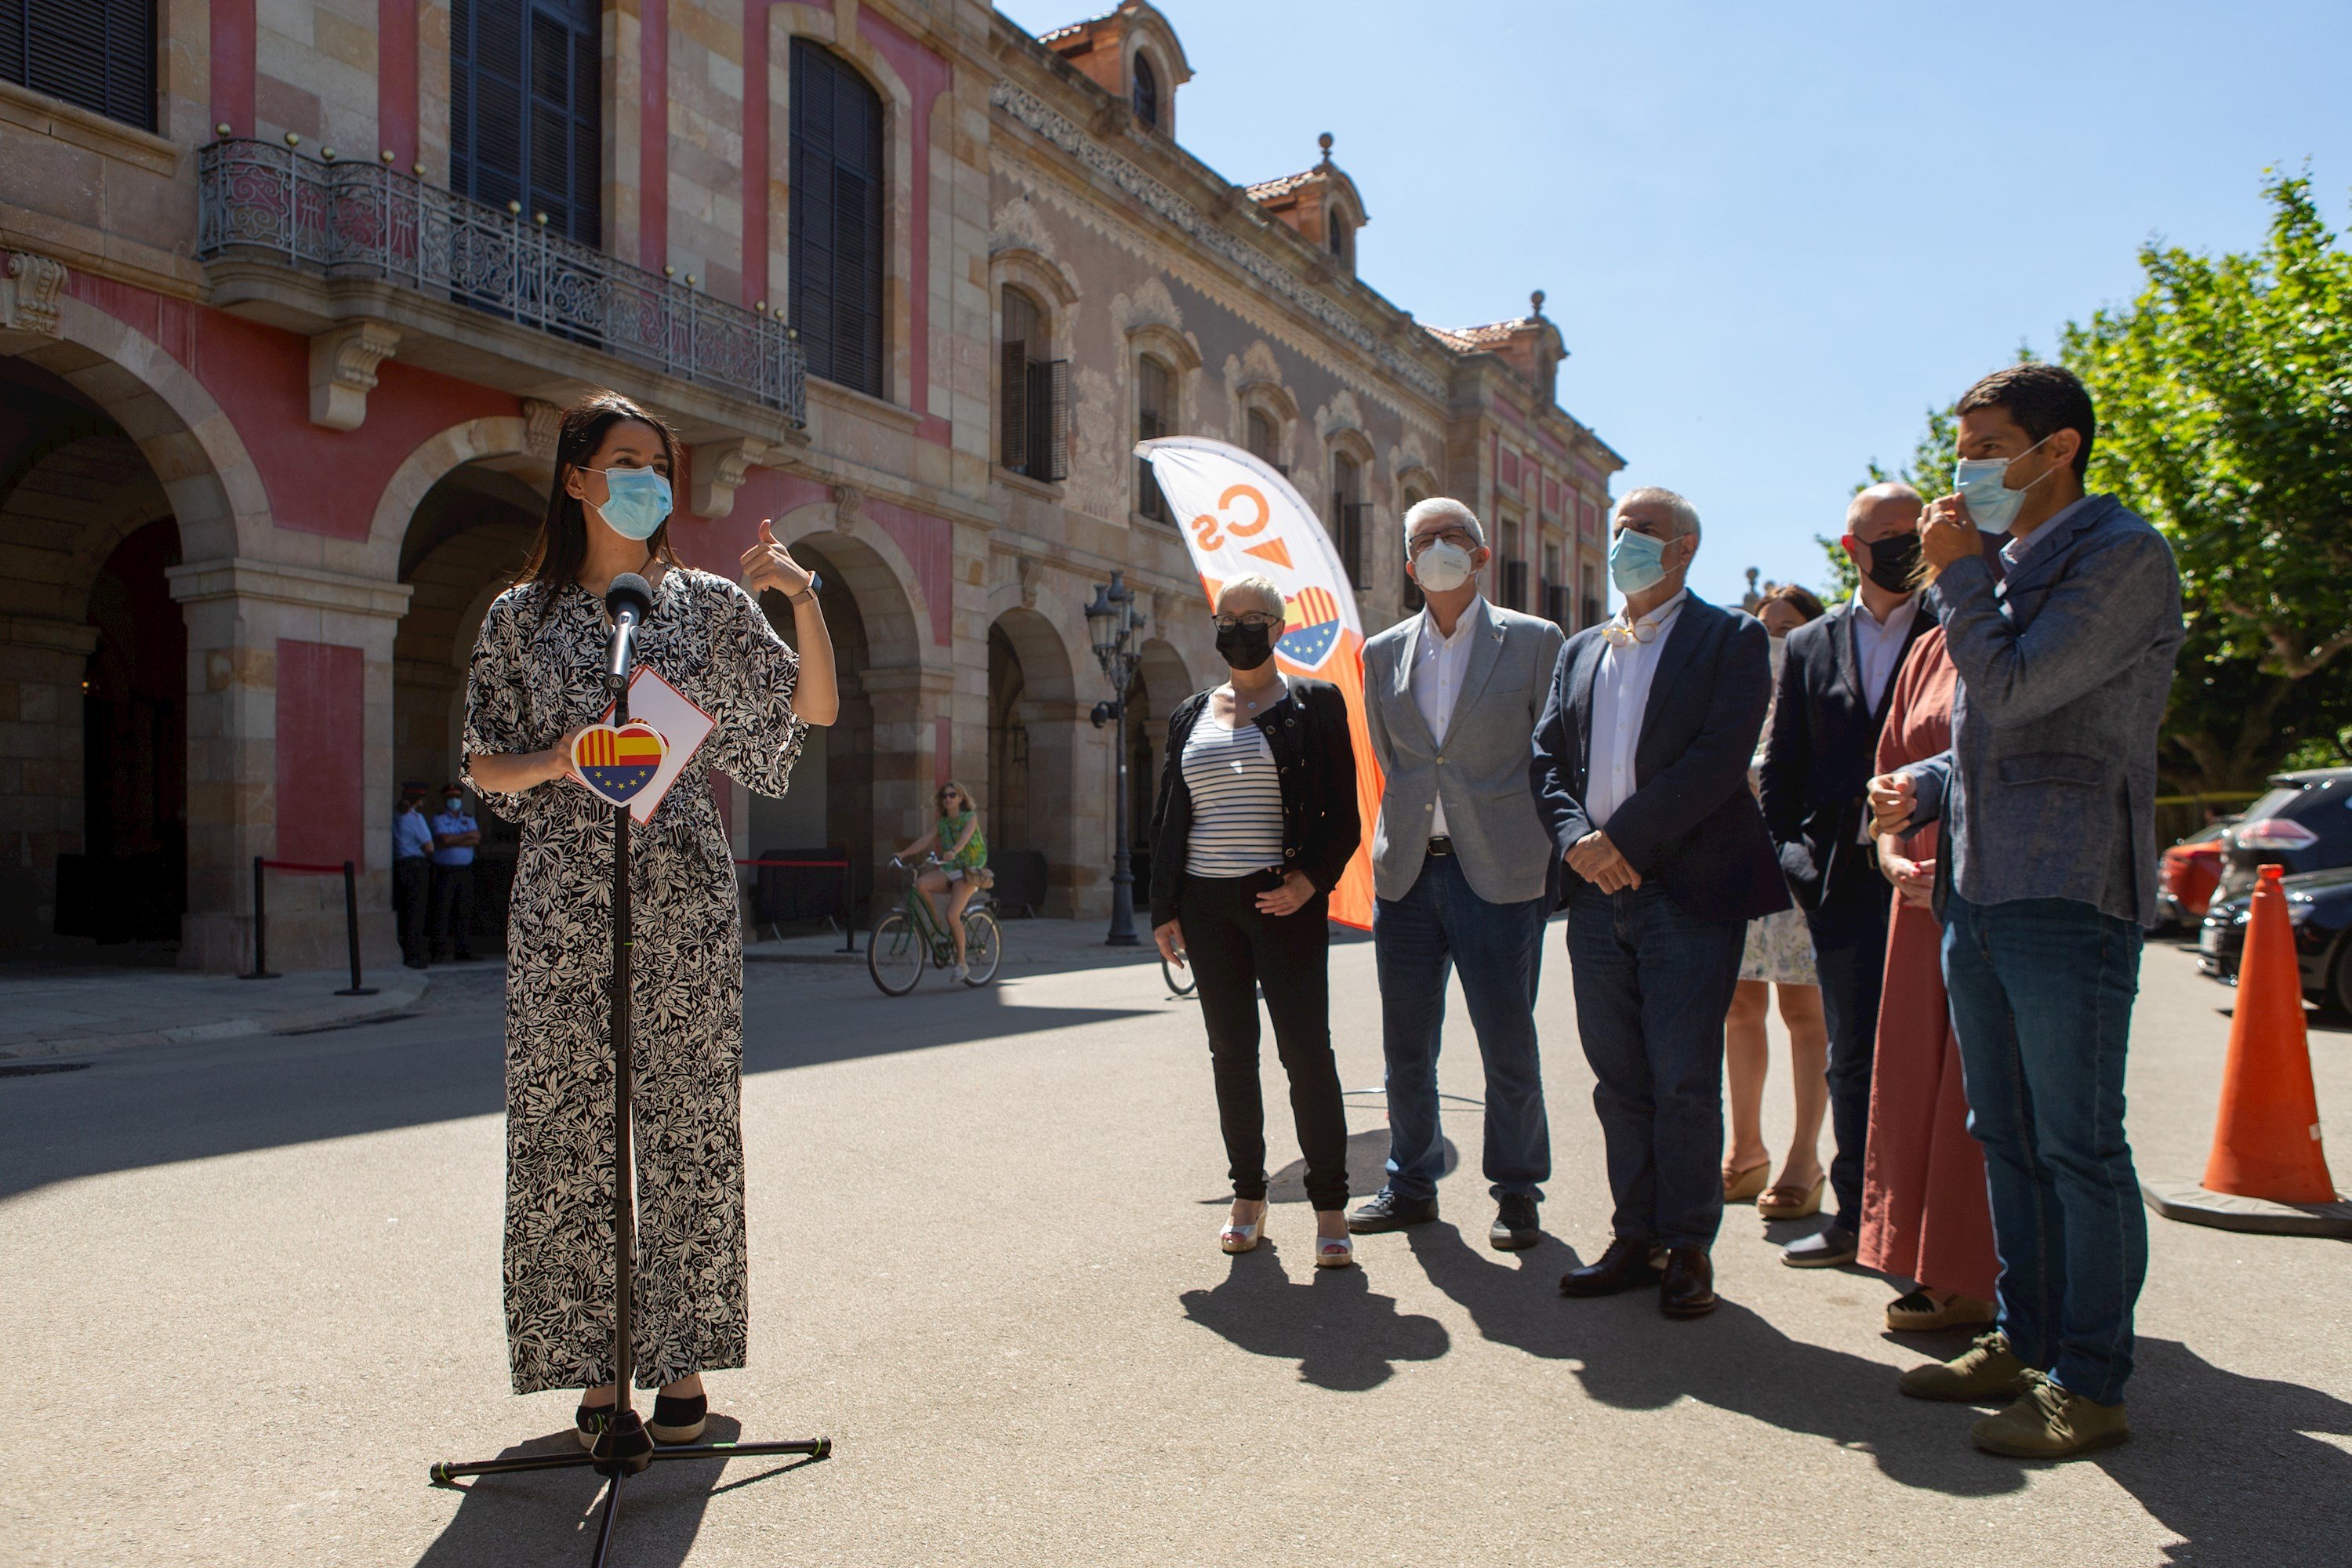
2047,879
1462,868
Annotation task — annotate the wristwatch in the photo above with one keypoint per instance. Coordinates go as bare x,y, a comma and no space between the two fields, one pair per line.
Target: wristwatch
815,582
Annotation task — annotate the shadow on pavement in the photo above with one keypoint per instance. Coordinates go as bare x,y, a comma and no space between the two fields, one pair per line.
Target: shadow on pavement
1368,1168
1343,1336
551,1516
2227,1463
1629,1356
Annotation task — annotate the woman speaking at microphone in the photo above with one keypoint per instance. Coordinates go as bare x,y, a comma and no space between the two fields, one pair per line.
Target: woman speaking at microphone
537,678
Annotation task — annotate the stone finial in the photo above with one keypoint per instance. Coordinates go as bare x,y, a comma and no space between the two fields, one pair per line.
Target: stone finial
30,286
541,422
1324,141
344,361
1535,303
718,468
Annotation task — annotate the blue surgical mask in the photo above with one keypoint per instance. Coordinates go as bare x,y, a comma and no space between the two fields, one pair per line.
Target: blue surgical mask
1637,561
1982,482
636,501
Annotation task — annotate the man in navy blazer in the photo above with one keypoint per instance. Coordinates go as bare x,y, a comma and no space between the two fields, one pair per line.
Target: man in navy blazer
1641,775
1818,758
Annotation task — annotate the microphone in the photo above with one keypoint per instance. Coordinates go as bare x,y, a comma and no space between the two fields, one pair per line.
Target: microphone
627,601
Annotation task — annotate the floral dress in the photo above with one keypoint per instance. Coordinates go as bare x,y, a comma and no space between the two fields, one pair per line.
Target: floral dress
973,855
532,677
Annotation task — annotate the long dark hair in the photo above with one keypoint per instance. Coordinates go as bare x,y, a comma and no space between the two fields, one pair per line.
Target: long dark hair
562,547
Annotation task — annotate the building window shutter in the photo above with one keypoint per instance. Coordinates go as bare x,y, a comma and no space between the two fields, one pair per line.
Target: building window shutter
98,55
1049,420
1013,392
525,110
1152,422
836,218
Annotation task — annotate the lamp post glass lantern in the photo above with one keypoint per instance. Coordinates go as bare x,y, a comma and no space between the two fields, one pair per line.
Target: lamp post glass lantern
1116,627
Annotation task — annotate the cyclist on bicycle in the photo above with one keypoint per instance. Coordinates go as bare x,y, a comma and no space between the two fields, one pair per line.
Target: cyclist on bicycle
959,853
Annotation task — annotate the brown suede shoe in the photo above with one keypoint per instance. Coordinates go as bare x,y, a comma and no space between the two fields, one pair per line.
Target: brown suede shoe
2048,1422
1987,1372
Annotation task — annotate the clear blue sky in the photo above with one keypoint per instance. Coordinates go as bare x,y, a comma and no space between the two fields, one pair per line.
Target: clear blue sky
1773,234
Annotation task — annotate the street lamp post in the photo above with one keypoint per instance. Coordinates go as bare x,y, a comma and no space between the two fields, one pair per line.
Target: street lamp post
1116,627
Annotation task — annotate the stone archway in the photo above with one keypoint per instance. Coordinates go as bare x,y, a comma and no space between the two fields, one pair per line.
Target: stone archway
1033,734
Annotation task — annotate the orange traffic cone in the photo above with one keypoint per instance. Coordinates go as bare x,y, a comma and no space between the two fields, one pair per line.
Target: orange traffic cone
2266,1138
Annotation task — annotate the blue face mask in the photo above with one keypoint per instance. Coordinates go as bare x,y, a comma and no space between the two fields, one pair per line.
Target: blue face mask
636,501
1637,561
1982,482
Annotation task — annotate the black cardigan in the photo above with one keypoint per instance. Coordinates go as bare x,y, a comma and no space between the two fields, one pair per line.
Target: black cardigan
1315,760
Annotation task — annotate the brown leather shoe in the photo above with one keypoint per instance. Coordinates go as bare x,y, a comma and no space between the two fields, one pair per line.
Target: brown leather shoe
1623,1265
1689,1288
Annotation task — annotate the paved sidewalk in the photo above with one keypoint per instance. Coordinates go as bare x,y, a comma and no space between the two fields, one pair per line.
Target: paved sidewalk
72,1011
1030,945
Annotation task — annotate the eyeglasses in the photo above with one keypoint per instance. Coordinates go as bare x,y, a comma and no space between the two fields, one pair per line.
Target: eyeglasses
1461,538
1624,635
1233,622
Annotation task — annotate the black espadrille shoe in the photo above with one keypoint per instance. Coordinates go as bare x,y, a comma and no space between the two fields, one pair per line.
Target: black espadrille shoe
679,1420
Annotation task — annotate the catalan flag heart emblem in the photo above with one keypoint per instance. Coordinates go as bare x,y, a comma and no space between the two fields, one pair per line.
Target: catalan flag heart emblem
618,762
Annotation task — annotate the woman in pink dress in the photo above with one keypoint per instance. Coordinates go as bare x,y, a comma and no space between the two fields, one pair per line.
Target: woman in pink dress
1925,1216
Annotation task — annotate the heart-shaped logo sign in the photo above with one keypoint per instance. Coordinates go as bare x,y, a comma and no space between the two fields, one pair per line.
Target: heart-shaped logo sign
617,762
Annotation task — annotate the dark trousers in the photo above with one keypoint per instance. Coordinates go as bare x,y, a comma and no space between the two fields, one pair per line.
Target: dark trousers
1233,947
453,911
412,880
1437,927
1850,955
2042,1002
1652,987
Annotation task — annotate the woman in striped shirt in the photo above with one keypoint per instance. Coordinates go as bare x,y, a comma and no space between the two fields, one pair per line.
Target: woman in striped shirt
1256,822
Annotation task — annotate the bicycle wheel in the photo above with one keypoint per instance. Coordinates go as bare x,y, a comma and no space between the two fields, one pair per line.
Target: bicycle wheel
983,946
894,955
1181,981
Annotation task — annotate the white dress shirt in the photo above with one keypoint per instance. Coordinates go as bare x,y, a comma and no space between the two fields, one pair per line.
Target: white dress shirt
1620,695
1880,644
1439,665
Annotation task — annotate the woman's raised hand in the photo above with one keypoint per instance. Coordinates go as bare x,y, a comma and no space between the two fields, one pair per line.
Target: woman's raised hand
768,564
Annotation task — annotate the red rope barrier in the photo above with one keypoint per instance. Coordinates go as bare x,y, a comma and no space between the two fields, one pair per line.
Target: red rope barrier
302,866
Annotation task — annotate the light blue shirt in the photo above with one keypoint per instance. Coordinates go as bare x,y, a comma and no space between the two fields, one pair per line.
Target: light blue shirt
412,835
453,821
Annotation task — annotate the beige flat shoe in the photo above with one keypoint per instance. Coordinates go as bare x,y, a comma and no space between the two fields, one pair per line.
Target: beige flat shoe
1738,1187
1785,1202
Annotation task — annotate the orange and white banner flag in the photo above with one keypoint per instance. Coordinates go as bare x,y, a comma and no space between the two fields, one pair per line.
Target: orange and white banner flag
1245,521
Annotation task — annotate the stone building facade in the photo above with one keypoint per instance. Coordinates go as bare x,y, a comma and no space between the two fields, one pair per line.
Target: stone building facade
291,298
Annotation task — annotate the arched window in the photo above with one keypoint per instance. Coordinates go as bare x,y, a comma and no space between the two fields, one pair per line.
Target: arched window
836,218
1349,514
526,109
1154,418
1033,394
98,54
1265,441
1338,227
1147,93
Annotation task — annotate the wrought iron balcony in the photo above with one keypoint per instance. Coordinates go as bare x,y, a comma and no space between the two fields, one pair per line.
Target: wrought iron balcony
368,220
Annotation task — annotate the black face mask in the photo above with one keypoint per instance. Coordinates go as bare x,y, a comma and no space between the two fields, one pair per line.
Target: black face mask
1893,560
1244,647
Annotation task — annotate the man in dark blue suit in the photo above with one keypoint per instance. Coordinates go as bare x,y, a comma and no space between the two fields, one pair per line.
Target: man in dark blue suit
1641,775
1818,760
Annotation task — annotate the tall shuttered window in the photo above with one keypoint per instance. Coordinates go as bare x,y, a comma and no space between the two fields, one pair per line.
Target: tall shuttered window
1033,395
98,54
526,116
1155,401
1147,93
836,218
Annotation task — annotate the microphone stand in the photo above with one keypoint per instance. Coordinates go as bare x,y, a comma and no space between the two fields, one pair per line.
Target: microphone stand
624,1447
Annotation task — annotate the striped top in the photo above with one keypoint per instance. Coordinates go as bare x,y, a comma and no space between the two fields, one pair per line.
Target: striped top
1237,799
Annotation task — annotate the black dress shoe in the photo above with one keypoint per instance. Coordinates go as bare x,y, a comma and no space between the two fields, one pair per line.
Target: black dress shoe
1386,1211
1687,1291
1623,1265
1517,1227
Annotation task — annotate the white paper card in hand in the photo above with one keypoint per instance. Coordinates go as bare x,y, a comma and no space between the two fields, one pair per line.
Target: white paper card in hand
654,701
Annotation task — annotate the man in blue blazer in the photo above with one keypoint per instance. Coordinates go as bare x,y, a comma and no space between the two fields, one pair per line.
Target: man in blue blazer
1640,774
2047,877
1818,758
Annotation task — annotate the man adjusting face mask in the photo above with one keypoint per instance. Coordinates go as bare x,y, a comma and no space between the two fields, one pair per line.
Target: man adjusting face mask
1983,483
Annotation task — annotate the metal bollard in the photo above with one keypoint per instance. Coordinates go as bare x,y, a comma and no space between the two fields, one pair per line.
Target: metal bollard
351,930
261,969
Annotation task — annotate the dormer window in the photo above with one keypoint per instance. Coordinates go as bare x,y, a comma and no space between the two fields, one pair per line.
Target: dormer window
1340,234
1147,93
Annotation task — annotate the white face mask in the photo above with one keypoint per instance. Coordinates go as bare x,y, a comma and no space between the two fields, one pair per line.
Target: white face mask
1443,567
1982,482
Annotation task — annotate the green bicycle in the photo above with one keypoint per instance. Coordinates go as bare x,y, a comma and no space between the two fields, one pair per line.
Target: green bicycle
912,934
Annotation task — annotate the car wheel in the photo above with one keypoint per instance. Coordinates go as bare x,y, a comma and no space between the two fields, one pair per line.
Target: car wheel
2340,993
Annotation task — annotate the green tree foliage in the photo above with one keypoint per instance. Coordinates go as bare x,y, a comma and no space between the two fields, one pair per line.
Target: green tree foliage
2224,394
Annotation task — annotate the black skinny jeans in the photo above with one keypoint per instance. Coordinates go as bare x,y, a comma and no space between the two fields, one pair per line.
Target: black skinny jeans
1231,947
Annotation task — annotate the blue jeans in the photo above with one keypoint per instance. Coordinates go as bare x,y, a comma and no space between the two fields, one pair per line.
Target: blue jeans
1440,925
1849,934
1652,987
2042,999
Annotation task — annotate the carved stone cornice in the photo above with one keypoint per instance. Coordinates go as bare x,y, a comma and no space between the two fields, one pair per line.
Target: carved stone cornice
342,371
30,287
541,422
1203,229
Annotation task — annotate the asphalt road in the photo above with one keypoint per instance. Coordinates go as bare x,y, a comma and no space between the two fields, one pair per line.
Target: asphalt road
251,1290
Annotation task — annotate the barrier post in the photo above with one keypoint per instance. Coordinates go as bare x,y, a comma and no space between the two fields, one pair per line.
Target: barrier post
261,969
352,929
848,911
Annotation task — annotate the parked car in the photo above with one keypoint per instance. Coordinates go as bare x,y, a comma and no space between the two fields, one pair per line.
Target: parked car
2319,907
2304,824
2188,875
